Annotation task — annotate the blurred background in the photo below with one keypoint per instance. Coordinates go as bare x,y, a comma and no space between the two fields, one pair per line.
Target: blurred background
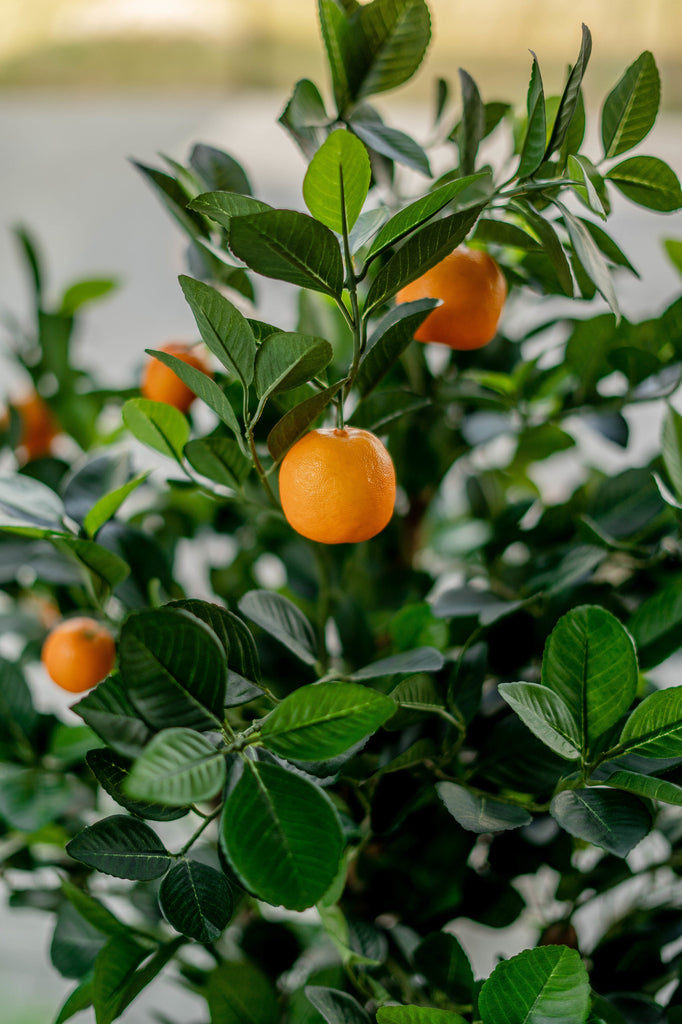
85,85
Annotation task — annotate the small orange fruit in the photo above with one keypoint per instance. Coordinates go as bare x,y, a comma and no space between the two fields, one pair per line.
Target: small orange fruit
38,427
473,290
79,653
337,486
162,385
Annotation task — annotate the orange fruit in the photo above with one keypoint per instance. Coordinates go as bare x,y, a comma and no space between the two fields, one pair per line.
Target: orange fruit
162,385
78,653
473,290
38,427
337,486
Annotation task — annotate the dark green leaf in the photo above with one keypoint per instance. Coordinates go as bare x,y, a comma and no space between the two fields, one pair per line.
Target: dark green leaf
79,999
219,459
533,150
196,900
546,715
97,561
382,44
223,328
289,246
389,341
218,170
333,23
282,836
649,182
570,96
546,985
112,771
337,181
614,821
121,846
305,117
501,232
591,259
114,969
392,143
631,107
25,501
472,125
175,198
158,425
383,408
647,786
18,717
336,1007
110,713
280,617
298,420
234,635
421,659
607,245
179,767
581,170
417,1015
477,812
441,959
203,386
75,943
654,729
31,798
239,993
545,231
107,506
223,206
315,723
284,361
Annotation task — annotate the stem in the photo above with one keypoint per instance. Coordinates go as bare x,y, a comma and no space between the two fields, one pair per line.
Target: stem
262,475
205,823
356,323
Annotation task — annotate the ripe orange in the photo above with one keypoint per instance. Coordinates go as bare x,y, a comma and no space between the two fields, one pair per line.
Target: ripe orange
79,653
38,427
473,290
337,486
160,383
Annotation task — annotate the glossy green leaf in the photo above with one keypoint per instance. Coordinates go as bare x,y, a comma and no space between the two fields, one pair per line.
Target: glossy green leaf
421,659
654,729
551,243
533,151
281,835
580,169
502,232
294,424
647,786
177,768
546,985
158,425
441,959
175,198
614,821
389,341
174,669
546,715
219,459
590,662
480,813
114,969
196,900
78,1000
100,564
223,206
315,723
289,246
121,846
280,617
336,1007
606,244
18,717
110,713
472,124
25,501
92,910
570,96
305,116
107,507
671,443
218,170
591,259
239,993
75,943
631,107
285,361
333,24
225,331
337,181
421,251
234,635
655,625
112,771
203,386
392,143
649,182
83,292
417,1015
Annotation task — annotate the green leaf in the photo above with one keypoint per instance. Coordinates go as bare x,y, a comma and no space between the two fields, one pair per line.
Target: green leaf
219,170
654,729
655,626
333,23
110,713
546,715
175,198
289,246
418,212
179,767
389,341
107,507
649,182
337,181
533,150
97,561
379,412
336,1007
82,292
31,798
391,142
25,501
631,107
421,251
546,985
545,231
280,617
305,116
93,911
472,125
581,169
421,659
607,245
234,635
285,361
417,1015
673,248
18,717
174,669
112,771
443,962
478,812
647,786
114,968
75,943
196,900
590,662
239,993
298,420
223,328
223,206
79,999
121,846
614,821
315,723
282,836
158,425
203,387
591,259
671,444
219,459
501,232
570,97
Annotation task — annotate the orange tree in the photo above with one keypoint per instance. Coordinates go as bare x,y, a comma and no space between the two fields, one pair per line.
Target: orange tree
394,734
